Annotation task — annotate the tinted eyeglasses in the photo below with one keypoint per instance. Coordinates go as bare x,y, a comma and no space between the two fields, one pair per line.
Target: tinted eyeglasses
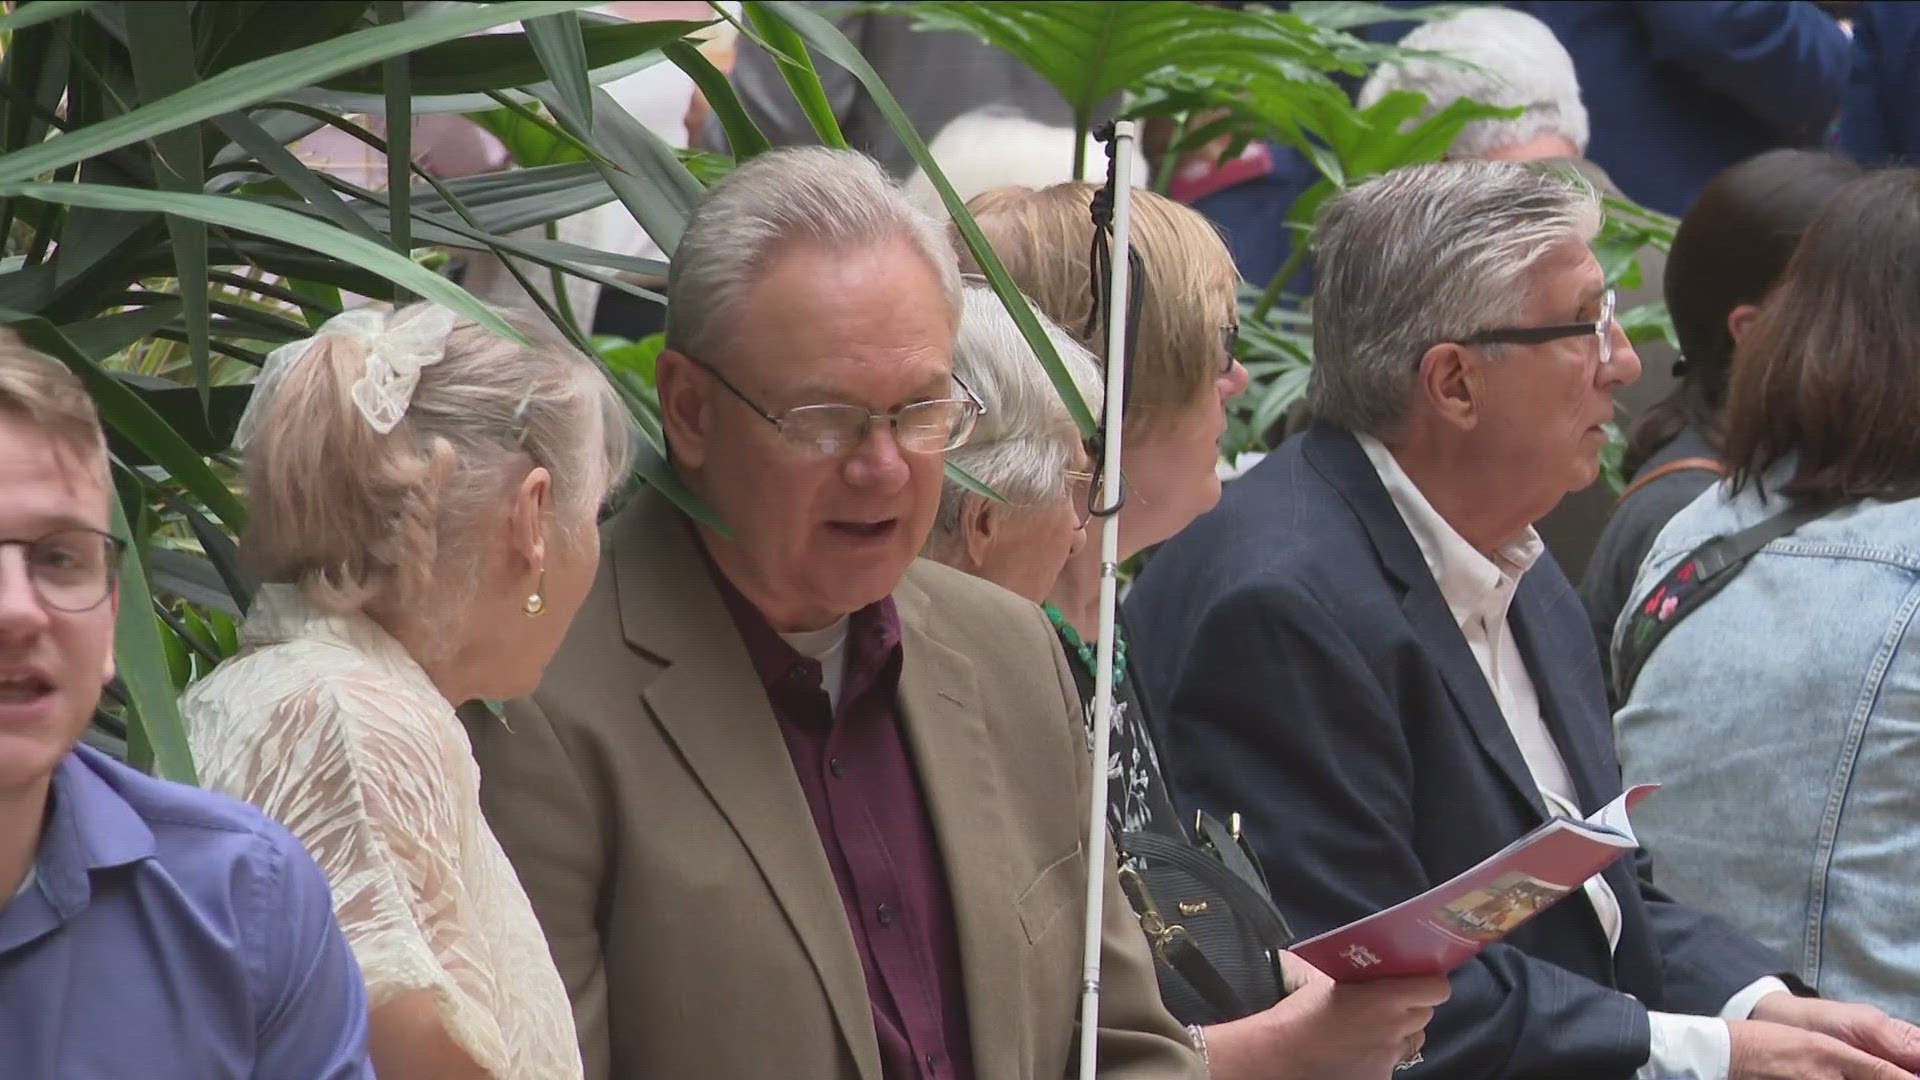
835,430
73,569
1535,335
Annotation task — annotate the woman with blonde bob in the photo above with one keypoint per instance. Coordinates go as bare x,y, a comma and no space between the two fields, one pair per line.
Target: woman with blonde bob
424,495
1182,373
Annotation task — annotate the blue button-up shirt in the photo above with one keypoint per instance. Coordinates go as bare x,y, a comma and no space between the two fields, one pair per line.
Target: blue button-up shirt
169,932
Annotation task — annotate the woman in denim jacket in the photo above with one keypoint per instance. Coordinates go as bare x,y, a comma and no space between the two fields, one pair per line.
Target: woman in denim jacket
1783,715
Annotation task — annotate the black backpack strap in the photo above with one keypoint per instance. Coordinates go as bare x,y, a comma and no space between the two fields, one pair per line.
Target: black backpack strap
1692,582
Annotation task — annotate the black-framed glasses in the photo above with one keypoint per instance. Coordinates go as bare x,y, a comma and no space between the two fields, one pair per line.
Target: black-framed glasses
834,430
1535,335
72,569
1229,346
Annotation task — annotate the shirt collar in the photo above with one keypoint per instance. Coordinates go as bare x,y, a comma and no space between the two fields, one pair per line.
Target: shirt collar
90,826
1472,584
872,632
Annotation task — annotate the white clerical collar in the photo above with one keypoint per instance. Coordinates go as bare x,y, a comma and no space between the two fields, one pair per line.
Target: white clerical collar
1472,584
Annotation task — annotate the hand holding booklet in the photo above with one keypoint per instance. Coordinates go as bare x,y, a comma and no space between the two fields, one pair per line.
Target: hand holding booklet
1449,924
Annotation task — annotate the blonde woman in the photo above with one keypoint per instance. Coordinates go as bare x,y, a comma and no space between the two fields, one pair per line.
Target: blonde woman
1183,373
423,499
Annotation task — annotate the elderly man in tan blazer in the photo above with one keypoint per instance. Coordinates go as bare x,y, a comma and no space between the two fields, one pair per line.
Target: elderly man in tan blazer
791,804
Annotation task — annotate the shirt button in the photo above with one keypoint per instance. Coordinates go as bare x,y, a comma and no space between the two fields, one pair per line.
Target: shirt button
836,767
797,671
933,1062
884,915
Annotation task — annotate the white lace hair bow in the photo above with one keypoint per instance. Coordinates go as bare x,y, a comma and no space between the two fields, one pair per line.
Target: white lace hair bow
397,347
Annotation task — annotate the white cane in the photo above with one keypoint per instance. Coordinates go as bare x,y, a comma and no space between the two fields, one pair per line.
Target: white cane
1121,194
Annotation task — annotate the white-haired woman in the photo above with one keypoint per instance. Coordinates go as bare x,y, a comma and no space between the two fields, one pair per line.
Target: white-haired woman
1025,447
423,497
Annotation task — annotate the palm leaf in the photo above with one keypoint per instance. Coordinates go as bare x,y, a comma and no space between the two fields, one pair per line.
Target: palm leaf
140,658
160,42
284,226
25,15
260,80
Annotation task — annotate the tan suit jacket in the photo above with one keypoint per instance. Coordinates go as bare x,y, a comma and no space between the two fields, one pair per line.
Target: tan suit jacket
649,804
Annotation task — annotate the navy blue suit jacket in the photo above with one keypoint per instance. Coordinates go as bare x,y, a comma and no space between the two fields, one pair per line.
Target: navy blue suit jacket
1305,670
1881,119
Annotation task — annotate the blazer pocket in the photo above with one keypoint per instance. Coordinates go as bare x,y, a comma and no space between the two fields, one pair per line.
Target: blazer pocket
1041,903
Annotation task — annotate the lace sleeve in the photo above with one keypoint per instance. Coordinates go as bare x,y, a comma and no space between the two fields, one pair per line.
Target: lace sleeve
360,776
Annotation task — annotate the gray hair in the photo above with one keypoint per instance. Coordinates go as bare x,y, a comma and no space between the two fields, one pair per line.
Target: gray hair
1025,439
1498,56
799,193
1423,255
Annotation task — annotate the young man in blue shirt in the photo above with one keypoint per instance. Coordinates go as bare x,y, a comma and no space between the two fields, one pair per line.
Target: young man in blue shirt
146,928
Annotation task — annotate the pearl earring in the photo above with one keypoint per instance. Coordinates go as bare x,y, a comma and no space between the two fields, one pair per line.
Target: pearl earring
536,603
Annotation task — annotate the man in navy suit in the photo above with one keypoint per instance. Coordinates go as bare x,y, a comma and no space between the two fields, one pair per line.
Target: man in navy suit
1366,651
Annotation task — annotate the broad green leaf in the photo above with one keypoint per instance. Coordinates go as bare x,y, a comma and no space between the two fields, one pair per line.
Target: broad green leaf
831,43
140,657
557,41
160,42
529,144
502,61
260,80
283,225
743,135
796,67
41,11
1091,50
1347,14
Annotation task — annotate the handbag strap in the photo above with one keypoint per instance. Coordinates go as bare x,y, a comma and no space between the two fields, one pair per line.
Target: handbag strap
1685,464
1692,582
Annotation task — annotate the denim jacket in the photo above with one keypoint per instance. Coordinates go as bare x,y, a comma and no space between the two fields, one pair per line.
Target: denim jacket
1783,718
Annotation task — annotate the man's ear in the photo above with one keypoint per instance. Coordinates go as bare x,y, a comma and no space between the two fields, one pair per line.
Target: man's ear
683,407
1452,382
980,526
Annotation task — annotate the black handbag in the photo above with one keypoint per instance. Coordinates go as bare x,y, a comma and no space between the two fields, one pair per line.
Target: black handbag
1214,931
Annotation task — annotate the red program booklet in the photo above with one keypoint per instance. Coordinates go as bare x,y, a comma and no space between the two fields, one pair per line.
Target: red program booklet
1449,924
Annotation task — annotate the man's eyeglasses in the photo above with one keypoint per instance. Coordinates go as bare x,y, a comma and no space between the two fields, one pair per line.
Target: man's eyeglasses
1534,335
833,430
1080,496
1229,346
72,570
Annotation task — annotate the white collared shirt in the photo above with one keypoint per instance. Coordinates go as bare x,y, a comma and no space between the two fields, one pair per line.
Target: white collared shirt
1479,592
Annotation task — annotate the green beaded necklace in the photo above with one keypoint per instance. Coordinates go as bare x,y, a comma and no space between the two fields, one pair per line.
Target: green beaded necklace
1084,650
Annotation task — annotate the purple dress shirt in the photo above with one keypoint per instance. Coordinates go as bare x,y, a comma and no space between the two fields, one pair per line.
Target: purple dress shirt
171,933
864,792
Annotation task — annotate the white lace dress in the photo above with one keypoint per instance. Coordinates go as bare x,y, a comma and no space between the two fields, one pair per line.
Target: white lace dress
329,726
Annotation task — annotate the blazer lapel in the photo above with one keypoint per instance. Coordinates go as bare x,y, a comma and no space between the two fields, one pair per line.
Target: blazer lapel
1554,666
711,705
952,752
1433,621
1339,458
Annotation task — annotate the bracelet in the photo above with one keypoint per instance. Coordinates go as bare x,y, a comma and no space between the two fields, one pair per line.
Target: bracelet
1198,1036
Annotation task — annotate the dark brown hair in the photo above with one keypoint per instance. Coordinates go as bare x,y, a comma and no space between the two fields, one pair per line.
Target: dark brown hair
1830,372
1729,250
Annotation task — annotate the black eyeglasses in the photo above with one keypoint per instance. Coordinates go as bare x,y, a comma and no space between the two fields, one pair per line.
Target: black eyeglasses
1535,335
1229,346
834,430
72,569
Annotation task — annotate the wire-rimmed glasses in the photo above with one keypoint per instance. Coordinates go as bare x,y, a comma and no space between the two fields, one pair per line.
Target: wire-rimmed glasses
834,430
72,569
